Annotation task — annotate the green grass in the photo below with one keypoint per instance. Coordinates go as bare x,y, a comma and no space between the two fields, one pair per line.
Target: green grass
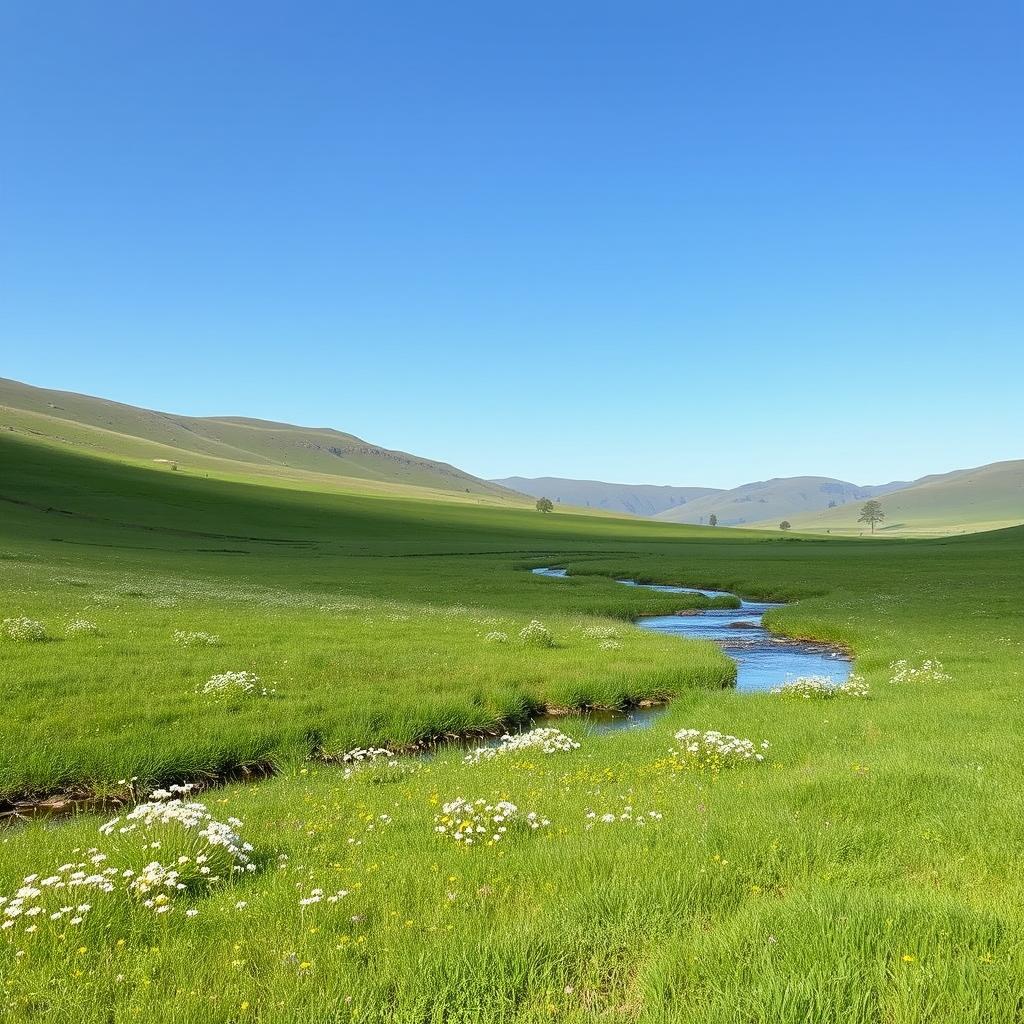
232,446
869,871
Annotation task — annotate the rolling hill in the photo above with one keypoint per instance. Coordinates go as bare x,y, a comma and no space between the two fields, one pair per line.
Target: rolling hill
772,500
636,499
229,445
966,501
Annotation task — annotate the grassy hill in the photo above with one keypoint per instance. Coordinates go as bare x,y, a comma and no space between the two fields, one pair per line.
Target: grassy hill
986,498
230,446
635,499
773,500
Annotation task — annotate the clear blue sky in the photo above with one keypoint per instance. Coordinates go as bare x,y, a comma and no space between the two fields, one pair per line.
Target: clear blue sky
688,243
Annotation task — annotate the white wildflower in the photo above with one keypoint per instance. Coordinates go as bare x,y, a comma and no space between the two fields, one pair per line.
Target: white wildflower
810,687
23,629
536,634
713,749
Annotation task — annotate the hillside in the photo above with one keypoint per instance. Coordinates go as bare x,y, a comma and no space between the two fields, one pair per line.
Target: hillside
769,501
968,500
227,445
636,499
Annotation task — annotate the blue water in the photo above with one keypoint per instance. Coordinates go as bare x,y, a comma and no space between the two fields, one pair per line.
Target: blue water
763,661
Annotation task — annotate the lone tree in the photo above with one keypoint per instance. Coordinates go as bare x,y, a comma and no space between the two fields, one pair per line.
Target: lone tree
871,513
545,505
713,520
785,525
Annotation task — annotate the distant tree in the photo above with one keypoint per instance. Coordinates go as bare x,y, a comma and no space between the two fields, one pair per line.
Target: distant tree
545,505
871,513
713,520
832,504
785,525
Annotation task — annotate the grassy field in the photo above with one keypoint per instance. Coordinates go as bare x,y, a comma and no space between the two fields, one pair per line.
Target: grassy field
869,870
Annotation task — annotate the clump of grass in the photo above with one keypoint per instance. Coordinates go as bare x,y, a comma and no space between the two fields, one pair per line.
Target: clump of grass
81,627
196,638
22,629
536,634
233,686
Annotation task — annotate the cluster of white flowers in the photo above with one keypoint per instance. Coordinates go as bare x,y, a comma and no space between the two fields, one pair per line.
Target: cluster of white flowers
711,749
319,896
536,634
544,740
196,638
929,671
609,645
81,627
377,763
810,687
56,897
627,815
215,851
496,636
600,632
227,685
476,821
363,755
24,629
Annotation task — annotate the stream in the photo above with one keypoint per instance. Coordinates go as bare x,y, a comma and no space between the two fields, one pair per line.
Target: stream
763,660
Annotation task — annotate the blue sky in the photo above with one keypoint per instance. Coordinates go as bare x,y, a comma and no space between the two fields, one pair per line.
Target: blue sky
687,243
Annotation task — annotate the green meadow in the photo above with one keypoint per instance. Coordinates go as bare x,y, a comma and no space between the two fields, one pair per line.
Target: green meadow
868,870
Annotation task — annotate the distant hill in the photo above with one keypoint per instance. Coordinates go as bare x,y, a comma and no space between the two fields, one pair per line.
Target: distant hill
968,500
637,499
225,444
773,500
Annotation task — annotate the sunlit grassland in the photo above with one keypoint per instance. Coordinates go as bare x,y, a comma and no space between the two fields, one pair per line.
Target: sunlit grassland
869,871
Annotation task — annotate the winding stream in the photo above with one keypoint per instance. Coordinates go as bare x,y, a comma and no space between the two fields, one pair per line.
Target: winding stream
763,660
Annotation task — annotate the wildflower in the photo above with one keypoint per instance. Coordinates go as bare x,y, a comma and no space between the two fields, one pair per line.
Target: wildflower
929,671
228,685
810,687
544,740
196,638
496,636
713,749
477,822
23,629
628,815
600,632
81,627
536,634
